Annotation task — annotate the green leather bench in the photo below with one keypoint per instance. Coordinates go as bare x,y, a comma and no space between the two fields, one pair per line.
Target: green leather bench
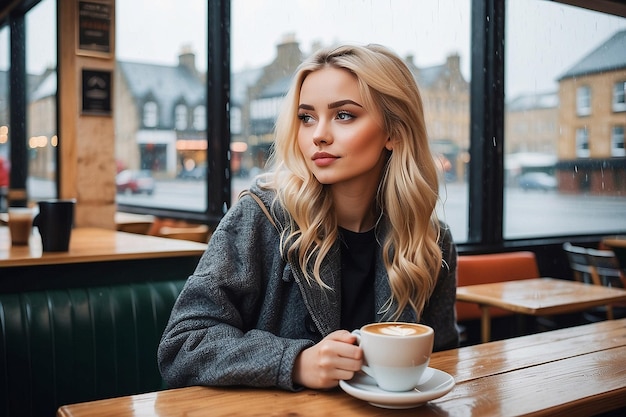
80,344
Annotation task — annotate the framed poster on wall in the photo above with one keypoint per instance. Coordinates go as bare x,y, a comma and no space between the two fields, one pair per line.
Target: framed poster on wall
95,27
97,90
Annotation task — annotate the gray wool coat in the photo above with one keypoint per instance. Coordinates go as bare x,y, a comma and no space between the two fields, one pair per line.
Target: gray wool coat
246,313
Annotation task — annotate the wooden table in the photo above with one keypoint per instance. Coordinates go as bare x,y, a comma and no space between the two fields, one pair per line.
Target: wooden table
577,371
124,222
94,255
133,223
537,297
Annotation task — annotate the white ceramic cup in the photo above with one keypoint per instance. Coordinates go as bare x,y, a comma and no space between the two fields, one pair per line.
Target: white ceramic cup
396,354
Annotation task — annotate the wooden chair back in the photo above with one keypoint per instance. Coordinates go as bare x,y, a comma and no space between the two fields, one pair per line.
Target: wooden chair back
597,267
199,233
579,263
606,268
488,268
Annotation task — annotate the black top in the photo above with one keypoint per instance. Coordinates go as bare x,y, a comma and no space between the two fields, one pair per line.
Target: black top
358,254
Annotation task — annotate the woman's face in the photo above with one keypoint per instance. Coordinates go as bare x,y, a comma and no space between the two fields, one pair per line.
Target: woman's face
342,142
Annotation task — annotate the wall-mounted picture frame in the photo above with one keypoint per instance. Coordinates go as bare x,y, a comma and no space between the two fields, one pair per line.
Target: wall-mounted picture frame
96,34
97,88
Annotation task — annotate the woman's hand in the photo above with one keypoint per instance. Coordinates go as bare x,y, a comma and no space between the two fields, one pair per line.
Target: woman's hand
334,358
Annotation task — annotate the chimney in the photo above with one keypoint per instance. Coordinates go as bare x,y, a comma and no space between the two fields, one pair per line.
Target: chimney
454,62
187,59
288,54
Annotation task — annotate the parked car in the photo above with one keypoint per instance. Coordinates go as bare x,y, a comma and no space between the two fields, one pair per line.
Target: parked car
135,182
537,181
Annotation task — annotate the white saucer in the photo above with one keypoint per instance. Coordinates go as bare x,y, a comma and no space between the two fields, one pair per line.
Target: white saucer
433,384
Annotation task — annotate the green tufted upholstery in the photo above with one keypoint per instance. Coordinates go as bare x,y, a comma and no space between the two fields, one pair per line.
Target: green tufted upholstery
66,346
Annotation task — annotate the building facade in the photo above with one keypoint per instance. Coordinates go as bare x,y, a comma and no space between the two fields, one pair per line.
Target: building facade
592,120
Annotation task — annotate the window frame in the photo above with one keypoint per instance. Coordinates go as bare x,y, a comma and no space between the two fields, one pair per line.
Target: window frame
486,171
150,114
181,117
582,142
617,141
619,96
583,100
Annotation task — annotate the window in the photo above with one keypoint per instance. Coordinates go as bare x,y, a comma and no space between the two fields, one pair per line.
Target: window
41,85
160,118
547,82
549,86
235,120
181,117
150,114
583,101
4,118
619,96
582,142
4,113
432,36
617,141
199,118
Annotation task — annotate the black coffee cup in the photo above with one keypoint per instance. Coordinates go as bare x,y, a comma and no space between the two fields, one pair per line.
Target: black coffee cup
55,221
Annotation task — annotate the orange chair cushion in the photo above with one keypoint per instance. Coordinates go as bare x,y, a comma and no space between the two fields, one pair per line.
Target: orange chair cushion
488,268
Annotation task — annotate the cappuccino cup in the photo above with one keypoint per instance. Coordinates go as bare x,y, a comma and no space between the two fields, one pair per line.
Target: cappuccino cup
20,224
396,354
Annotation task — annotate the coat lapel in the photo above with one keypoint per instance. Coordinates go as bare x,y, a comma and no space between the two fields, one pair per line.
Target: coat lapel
324,305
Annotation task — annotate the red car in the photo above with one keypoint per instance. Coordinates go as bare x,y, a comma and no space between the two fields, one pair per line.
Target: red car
4,172
135,182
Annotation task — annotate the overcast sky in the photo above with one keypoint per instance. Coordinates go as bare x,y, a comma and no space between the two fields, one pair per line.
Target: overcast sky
543,38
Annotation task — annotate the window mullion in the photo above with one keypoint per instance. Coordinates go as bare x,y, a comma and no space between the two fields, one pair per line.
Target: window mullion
486,174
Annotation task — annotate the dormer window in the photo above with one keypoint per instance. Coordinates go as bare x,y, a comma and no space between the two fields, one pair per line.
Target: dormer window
180,116
150,114
199,118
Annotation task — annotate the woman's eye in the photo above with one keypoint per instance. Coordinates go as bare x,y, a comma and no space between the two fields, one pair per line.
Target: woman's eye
306,118
344,115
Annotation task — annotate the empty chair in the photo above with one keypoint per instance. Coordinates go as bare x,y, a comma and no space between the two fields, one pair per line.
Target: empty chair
579,263
597,267
489,268
199,233
619,248
606,268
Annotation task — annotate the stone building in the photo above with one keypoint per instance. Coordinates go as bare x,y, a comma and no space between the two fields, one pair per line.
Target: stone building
160,116
531,123
592,118
445,94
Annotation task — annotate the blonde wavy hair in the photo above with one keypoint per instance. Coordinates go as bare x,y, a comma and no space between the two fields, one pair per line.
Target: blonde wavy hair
407,192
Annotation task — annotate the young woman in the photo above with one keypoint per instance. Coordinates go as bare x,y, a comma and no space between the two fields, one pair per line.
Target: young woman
341,232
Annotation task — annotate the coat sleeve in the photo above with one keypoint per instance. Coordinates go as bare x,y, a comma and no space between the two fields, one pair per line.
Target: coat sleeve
211,338
440,312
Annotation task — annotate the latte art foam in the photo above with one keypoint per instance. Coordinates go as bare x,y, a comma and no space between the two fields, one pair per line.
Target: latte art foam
398,330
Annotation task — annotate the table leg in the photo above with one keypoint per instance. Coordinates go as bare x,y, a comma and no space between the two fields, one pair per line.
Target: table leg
609,312
485,323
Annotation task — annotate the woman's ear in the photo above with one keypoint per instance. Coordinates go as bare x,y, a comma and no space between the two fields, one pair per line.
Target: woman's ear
389,144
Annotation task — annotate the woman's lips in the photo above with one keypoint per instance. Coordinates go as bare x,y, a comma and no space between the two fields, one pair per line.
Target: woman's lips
323,159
